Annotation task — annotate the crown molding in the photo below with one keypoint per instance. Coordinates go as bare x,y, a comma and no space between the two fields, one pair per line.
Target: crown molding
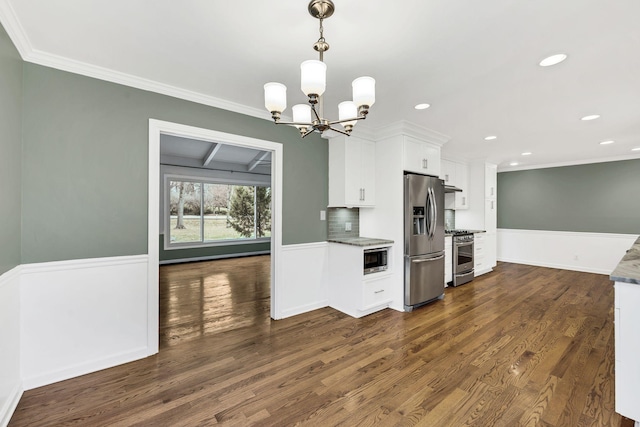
404,127
19,37
14,29
569,163
106,74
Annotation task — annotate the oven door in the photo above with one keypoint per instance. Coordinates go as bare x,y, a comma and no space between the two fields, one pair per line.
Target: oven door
463,257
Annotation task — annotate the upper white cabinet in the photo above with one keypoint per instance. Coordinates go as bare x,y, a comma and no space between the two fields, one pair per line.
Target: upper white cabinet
420,156
448,172
455,174
462,182
483,208
491,181
352,164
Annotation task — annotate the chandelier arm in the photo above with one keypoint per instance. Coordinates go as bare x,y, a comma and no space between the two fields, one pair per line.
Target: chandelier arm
294,123
347,120
308,132
339,131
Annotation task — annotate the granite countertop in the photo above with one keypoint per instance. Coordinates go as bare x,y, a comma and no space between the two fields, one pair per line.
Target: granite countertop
628,269
361,241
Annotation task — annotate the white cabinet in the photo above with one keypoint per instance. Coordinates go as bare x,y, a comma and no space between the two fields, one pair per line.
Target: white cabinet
420,156
627,348
491,181
448,259
482,213
350,290
462,182
456,175
448,172
351,172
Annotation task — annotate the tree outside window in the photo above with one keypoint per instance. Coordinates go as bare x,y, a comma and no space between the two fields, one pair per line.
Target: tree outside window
203,212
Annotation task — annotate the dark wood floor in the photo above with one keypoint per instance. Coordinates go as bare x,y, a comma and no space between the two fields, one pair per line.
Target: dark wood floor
522,346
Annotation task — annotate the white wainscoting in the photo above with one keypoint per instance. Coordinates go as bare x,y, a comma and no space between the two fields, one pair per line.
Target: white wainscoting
10,382
303,277
81,316
588,252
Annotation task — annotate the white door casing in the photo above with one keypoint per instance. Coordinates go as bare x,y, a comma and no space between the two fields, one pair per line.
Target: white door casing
158,127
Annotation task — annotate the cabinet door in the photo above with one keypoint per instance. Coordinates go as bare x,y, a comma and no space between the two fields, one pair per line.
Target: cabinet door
421,157
491,181
368,173
353,172
413,152
432,159
462,182
448,173
490,215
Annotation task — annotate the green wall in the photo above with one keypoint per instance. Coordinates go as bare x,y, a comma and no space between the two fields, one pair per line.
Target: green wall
85,147
598,197
10,153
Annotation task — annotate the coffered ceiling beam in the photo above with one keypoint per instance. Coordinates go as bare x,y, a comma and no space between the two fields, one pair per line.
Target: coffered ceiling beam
257,160
211,154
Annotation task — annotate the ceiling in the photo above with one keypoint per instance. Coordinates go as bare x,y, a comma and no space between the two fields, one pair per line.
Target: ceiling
475,62
193,153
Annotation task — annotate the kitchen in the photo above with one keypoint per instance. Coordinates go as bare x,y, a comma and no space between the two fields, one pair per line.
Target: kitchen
466,208
60,129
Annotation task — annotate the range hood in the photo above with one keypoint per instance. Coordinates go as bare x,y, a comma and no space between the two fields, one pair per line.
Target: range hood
451,189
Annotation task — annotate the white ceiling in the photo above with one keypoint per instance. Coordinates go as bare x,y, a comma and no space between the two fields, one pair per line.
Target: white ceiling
474,62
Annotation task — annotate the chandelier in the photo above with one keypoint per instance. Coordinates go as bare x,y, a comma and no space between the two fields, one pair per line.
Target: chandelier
313,77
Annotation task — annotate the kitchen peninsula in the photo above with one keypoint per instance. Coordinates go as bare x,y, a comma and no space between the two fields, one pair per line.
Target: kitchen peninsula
627,334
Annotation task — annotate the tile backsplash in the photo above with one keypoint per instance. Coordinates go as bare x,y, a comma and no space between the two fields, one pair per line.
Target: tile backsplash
337,219
449,219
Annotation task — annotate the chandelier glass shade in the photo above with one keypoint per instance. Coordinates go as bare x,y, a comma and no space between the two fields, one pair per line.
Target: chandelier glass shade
313,81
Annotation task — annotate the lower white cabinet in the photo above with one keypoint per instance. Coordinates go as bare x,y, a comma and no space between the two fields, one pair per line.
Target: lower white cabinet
627,348
350,290
484,253
448,259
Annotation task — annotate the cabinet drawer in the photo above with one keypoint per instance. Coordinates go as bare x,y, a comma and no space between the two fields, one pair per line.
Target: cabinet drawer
375,292
478,262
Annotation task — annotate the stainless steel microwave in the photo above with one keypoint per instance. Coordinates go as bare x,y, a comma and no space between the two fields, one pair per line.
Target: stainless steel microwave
376,260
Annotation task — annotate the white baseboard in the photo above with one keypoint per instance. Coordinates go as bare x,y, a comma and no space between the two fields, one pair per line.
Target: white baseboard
80,316
302,286
79,369
587,252
10,404
294,311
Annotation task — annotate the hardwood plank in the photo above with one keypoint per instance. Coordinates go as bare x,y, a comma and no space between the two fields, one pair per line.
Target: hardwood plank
522,345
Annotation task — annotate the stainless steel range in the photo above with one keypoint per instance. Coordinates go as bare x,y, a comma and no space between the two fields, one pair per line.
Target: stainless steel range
462,257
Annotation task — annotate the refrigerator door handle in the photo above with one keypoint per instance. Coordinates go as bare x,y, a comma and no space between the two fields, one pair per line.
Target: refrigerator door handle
417,261
435,213
432,213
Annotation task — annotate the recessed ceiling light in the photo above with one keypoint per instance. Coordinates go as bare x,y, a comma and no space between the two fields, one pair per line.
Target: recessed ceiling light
513,164
422,106
606,142
591,117
553,60
526,153
635,149
490,137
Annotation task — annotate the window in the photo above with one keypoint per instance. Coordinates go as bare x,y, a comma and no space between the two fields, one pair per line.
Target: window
203,213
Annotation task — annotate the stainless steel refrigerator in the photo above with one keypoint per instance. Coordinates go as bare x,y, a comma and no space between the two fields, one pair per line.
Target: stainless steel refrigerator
423,240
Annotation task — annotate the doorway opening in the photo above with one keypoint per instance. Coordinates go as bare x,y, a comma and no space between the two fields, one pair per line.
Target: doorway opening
265,154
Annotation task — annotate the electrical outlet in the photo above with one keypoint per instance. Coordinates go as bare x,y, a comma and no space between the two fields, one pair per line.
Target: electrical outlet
347,226
323,215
